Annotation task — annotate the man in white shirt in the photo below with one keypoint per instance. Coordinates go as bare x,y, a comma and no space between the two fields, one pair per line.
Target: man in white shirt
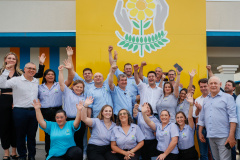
25,90
150,92
203,84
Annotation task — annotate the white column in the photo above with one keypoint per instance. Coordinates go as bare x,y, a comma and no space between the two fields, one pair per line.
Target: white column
226,73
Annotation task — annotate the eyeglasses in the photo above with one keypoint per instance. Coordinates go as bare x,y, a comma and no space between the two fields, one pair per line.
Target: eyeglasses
30,68
123,114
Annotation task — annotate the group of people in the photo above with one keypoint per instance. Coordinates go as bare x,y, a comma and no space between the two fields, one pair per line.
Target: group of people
139,118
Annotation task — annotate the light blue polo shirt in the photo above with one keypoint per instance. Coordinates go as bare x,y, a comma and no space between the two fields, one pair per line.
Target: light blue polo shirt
184,107
186,137
60,139
164,136
100,136
147,131
129,140
122,100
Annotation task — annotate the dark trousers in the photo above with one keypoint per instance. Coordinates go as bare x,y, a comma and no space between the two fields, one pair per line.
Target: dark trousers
26,126
234,153
188,154
95,152
49,115
78,135
170,156
73,153
7,128
149,149
121,157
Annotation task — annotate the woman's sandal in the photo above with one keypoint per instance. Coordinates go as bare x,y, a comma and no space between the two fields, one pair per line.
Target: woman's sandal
6,158
14,156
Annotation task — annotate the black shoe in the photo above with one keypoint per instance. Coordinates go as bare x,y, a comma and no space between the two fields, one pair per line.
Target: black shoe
14,157
31,158
24,158
6,158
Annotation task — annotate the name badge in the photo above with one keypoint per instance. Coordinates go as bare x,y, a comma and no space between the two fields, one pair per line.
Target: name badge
67,132
184,135
181,107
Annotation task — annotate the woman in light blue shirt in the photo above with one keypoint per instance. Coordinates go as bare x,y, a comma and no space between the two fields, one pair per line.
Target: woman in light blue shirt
127,137
71,97
186,145
150,142
166,134
183,104
61,134
99,143
169,100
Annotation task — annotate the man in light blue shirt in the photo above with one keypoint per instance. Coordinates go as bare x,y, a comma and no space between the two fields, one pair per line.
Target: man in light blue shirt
122,98
218,115
128,70
101,94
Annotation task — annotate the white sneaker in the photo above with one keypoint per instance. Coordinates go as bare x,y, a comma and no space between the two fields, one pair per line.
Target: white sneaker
84,157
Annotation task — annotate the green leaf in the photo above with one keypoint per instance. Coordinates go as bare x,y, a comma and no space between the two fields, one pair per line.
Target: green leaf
121,43
145,39
159,35
149,39
164,40
146,25
135,48
151,45
126,37
162,33
147,48
130,47
156,36
126,45
160,43
153,38
133,39
130,38
135,24
141,39
155,44
137,39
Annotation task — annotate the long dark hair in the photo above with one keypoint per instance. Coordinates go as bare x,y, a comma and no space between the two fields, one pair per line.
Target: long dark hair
45,73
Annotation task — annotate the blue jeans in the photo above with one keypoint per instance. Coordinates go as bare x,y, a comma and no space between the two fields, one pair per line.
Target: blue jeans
234,154
203,147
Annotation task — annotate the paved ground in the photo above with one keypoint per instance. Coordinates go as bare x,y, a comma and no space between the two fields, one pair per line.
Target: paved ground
41,153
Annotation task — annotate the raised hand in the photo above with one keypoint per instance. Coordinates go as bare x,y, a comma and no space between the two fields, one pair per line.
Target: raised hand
143,63
163,76
79,106
67,64
192,74
199,107
88,101
209,67
189,98
114,68
135,109
9,66
144,108
36,104
69,51
42,59
122,18
61,67
178,73
110,48
136,67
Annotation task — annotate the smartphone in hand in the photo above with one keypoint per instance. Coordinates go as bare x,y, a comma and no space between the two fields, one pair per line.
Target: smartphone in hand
228,146
178,67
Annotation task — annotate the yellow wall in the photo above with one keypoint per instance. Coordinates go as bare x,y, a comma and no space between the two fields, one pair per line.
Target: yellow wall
186,27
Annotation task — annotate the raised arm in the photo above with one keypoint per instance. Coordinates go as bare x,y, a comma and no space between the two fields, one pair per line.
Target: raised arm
150,123
176,86
135,66
140,74
210,73
161,82
60,77
191,74
189,98
71,73
110,48
4,83
39,116
42,58
135,110
110,79
78,116
85,118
